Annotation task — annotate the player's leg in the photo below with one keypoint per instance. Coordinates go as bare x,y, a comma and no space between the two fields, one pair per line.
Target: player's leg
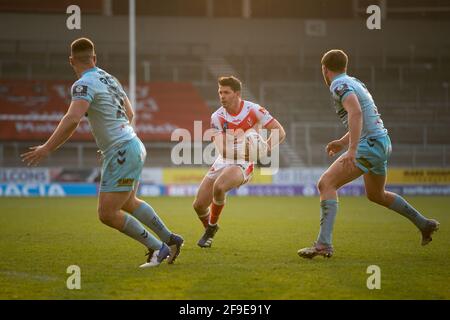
120,175
331,180
203,199
334,178
375,190
142,211
109,205
230,177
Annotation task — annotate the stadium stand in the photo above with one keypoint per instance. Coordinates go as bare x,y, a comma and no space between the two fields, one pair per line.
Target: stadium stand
407,74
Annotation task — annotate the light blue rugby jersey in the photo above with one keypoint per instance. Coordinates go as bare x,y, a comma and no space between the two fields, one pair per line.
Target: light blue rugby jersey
106,114
343,85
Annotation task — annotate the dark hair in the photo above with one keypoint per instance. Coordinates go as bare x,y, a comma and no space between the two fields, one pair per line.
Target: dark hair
82,49
234,83
335,60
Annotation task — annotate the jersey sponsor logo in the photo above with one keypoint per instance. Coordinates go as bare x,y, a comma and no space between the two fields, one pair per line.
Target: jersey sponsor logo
364,162
79,91
125,182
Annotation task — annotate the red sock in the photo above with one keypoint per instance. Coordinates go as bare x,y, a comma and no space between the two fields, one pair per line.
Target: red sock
216,209
205,219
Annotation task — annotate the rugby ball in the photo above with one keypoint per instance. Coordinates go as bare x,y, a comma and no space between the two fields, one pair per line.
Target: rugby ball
255,145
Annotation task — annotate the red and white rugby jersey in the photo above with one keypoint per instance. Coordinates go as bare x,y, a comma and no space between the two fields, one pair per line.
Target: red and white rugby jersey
249,116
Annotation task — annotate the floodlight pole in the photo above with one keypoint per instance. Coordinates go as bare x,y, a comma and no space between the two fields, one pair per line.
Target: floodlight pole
132,53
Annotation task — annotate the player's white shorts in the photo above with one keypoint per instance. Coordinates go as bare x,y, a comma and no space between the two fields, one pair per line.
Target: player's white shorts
218,166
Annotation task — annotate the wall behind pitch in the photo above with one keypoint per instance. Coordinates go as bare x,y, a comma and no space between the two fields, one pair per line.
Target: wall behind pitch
227,35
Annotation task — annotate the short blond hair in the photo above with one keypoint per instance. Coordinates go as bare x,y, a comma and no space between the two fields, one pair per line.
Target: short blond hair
82,49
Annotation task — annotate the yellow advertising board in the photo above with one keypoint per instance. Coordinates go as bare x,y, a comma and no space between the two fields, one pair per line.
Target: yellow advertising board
418,176
195,176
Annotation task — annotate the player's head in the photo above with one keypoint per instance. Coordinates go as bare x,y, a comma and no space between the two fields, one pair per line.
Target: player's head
333,62
229,91
82,54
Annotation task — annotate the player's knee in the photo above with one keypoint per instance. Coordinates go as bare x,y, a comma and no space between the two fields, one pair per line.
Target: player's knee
323,185
104,216
131,205
219,188
376,198
197,205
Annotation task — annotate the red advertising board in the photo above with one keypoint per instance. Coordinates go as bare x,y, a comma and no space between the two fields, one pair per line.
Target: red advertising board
31,110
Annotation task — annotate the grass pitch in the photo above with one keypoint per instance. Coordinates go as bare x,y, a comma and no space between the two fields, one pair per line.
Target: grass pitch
254,255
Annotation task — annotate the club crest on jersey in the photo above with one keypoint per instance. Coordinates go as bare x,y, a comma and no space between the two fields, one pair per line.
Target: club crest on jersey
341,89
79,91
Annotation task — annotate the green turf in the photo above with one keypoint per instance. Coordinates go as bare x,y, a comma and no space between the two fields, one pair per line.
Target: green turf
254,255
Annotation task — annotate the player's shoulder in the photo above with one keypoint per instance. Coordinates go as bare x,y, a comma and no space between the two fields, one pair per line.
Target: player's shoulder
341,85
340,80
220,112
253,107
86,79
251,104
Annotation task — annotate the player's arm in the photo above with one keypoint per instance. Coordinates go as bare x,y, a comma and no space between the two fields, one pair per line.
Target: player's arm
275,125
337,146
353,108
219,142
64,131
345,139
128,109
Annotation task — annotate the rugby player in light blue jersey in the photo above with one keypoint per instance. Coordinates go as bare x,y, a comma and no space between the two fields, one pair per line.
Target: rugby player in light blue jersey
368,149
100,97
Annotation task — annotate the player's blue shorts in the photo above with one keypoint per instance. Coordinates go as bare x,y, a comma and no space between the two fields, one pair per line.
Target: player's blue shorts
373,153
122,166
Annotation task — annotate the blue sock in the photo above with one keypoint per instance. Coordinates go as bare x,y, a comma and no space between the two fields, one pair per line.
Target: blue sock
148,216
136,230
328,210
401,206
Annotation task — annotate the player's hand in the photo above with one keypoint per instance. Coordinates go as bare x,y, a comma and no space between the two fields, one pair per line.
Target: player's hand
334,147
35,156
348,160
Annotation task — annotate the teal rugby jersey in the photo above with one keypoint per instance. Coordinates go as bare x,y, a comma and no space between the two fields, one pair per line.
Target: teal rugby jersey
106,114
342,86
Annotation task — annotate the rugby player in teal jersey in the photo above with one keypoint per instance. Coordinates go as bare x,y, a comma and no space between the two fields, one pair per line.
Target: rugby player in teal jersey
100,97
368,149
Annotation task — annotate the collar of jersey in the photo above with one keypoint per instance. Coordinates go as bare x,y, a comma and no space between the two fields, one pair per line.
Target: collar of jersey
240,109
88,70
339,76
